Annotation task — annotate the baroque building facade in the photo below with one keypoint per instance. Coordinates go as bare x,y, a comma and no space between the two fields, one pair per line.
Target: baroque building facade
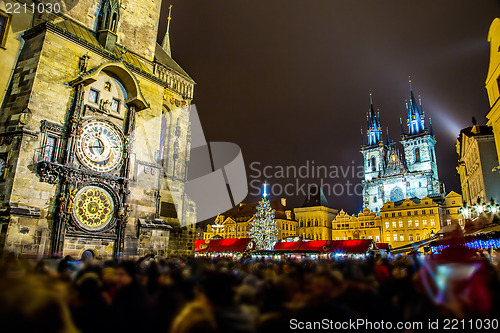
367,225
409,220
91,150
237,222
391,174
492,84
477,158
314,216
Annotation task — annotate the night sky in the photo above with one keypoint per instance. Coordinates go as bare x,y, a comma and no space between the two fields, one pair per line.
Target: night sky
289,81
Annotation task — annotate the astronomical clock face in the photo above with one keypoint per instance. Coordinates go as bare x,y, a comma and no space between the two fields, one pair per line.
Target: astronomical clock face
93,207
100,146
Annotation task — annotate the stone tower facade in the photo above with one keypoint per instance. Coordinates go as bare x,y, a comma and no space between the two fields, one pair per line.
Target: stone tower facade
94,137
392,175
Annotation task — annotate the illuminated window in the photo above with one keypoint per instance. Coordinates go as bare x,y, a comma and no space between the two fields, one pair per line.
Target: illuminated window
387,225
388,238
395,237
93,96
401,237
377,238
432,222
115,105
424,223
394,224
409,223
400,224
50,149
416,223
4,27
426,236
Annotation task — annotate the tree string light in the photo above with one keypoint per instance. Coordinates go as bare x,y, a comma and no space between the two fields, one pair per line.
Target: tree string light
264,231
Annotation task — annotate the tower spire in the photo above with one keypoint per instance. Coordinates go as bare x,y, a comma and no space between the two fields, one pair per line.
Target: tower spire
165,45
374,131
415,115
402,128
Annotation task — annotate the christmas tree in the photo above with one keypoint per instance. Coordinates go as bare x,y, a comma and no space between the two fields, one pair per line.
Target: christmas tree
264,231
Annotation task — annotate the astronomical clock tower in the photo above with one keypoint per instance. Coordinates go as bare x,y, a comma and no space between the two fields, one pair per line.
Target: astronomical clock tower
91,147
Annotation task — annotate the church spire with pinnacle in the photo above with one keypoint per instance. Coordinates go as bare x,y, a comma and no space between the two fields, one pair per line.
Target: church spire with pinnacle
165,45
415,116
374,131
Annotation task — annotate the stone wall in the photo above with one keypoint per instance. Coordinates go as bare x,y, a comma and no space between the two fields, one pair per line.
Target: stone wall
75,246
153,241
181,241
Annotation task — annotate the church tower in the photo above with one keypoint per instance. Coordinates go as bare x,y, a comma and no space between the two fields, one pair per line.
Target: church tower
418,146
374,151
95,137
394,176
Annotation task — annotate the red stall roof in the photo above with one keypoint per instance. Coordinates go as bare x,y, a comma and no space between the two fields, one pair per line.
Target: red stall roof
353,246
336,246
321,246
383,246
316,246
221,245
287,246
198,247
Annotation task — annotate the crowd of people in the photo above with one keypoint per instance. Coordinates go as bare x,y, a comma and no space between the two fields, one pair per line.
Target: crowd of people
241,295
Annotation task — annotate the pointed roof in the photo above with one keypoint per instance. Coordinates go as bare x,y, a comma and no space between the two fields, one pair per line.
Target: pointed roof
315,197
165,45
374,132
163,58
415,118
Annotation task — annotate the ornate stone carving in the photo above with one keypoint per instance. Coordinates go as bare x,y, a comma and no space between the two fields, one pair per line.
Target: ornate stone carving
47,126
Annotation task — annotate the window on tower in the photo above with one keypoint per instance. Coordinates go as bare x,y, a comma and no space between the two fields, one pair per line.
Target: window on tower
417,155
4,27
374,168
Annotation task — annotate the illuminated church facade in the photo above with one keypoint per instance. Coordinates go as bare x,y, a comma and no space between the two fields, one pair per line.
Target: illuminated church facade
392,174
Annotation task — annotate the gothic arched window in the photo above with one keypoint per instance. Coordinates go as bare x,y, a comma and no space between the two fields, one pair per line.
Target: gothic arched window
374,166
417,155
109,15
396,194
